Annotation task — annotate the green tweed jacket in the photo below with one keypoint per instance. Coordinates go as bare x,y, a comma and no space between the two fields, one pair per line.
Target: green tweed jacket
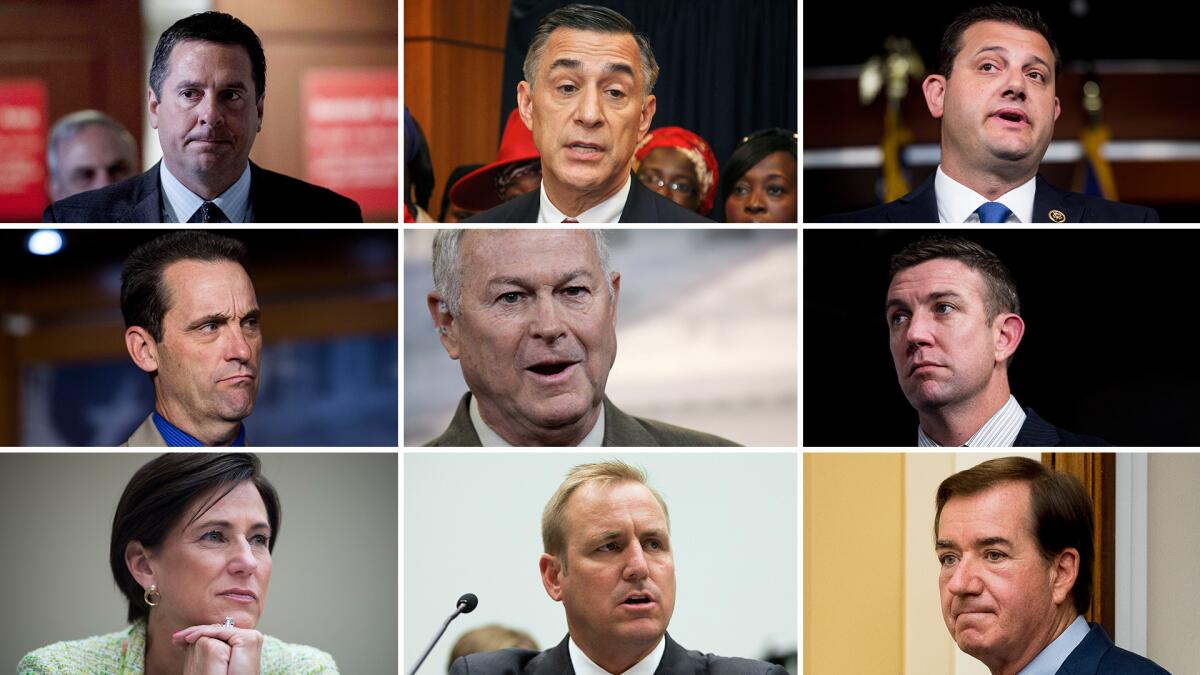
124,653
620,431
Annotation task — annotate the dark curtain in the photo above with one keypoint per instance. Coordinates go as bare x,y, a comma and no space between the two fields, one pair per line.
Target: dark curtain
726,68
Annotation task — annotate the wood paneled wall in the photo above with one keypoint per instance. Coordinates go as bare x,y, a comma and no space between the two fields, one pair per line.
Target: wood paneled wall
453,62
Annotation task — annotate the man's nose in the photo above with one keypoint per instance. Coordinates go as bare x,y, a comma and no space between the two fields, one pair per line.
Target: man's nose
546,322
920,331
1015,84
237,345
965,579
587,109
635,563
209,113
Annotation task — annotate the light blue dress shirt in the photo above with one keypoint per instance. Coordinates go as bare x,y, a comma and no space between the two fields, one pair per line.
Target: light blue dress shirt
1052,657
180,203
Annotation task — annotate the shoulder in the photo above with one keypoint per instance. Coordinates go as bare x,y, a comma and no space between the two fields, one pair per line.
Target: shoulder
645,205
282,658
301,201
522,209
669,435
624,430
1038,432
723,665
114,203
461,432
875,214
99,654
1117,661
1087,208
513,661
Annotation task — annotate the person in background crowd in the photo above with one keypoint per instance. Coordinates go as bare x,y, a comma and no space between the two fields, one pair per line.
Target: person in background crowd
516,171
88,150
418,171
759,180
452,211
678,165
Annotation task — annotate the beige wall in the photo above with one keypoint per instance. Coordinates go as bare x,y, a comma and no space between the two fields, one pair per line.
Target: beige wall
1173,540
853,581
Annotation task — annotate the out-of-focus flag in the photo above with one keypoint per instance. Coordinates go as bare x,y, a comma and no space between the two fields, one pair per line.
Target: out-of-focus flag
890,72
1094,176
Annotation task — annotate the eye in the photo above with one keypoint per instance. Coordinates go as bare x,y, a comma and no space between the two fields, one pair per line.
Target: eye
943,308
897,318
654,545
985,67
213,536
260,539
189,94
575,291
510,298
948,559
608,547
250,322
776,190
208,328
567,88
741,190
995,556
1039,76
616,93
233,95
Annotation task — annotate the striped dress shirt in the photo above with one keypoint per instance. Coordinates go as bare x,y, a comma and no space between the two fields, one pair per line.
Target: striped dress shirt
998,432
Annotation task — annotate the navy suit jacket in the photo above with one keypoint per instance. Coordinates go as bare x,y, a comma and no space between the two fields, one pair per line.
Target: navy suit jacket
274,198
557,661
641,206
1038,433
920,206
1097,655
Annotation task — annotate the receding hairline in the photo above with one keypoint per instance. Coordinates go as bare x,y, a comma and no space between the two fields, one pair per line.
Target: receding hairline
610,67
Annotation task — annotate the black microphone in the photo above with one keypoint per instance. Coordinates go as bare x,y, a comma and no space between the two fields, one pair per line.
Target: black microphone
465,605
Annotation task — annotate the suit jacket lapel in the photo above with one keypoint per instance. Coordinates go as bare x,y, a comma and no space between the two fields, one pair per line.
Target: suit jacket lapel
461,433
555,661
148,207
637,208
1048,199
918,206
1036,432
621,430
1085,658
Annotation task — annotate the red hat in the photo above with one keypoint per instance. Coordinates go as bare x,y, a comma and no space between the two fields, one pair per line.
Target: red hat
477,190
694,148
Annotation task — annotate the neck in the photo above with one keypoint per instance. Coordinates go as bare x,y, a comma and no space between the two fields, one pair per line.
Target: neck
953,424
991,182
206,186
567,435
617,661
163,657
1062,621
572,201
210,432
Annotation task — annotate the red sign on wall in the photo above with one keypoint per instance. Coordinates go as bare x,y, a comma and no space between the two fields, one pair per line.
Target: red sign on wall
23,127
350,136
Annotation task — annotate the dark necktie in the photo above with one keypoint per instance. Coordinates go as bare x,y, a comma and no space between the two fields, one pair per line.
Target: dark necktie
992,212
208,213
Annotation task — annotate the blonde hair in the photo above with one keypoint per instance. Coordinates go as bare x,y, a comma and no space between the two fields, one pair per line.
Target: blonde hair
613,471
489,639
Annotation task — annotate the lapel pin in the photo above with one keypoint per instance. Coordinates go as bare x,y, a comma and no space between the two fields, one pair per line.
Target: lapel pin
1058,216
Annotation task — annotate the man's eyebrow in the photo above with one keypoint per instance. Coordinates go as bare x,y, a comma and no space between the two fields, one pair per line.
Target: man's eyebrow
221,317
936,295
998,48
623,68
195,84
979,543
525,283
573,64
944,543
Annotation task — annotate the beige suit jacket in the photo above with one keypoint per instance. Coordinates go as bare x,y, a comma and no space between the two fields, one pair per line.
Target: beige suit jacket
146,436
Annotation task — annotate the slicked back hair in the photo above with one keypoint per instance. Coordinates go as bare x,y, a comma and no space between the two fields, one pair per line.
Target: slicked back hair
594,19
611,472
145,298
164,494
1001,295
209,27
1060,510
1017,16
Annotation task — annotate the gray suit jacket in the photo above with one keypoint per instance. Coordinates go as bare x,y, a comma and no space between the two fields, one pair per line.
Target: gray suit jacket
620,430
557,661
146,436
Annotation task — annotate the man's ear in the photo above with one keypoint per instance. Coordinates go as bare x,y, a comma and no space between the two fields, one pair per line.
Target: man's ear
525,103
616,284
934,88
552,573
142,348
1008,329
648,111
152,104
137,561
261,100
444,324
1063,575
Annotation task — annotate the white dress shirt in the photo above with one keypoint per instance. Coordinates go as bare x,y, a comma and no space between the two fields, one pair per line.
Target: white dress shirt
1000,431
490,439
957,203
607,211
585,666
1050,659
180,203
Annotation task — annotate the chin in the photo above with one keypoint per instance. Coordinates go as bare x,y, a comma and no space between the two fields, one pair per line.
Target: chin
560,410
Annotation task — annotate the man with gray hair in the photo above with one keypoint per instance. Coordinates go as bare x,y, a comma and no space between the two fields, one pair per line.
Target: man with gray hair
88,150
531,315
608,559
587,97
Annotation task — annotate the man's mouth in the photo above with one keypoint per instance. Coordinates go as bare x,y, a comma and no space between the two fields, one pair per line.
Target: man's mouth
1012,116
585,151
552,372
638,599
923,365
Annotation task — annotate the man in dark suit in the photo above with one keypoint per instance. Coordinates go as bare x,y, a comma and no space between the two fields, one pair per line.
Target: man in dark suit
608,560
954,323
587,99
531,315
206,95
1014,543
998,113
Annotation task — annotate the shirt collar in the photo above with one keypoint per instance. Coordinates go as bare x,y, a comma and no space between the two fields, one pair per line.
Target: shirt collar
179,203
585,666
491,439
178,438
607,211
1000,431
957,203
1052,657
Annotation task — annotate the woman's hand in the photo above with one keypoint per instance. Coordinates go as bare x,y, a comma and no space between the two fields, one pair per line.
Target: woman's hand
217,650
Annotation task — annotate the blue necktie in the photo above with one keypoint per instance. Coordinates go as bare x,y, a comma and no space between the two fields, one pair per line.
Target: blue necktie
992,212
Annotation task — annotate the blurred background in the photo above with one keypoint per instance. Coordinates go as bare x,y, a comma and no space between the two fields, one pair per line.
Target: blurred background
706,334
733,530
727,69
329,114
338,522
329,371
1108,348
1136,122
